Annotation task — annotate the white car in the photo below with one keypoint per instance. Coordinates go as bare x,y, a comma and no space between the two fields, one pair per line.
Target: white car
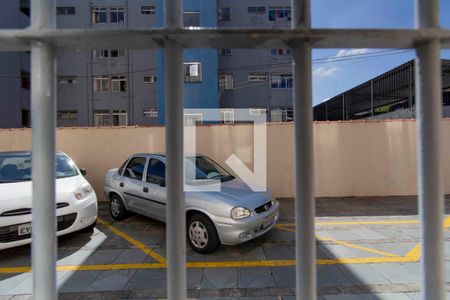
76,201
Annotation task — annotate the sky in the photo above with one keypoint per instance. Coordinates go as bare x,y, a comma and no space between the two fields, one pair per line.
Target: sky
337,70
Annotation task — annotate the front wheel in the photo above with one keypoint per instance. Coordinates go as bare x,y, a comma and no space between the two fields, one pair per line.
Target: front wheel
202,234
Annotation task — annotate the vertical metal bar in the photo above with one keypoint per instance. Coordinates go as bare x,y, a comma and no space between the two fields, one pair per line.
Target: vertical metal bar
175,214
43,111
305,248
343,107
371,98
430,180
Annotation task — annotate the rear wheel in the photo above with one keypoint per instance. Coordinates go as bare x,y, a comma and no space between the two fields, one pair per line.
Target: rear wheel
202,234
117,208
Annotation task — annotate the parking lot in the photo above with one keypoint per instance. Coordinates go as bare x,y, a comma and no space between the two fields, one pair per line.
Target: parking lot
367,248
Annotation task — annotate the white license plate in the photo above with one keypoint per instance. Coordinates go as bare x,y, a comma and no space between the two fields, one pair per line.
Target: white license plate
268,220
24,229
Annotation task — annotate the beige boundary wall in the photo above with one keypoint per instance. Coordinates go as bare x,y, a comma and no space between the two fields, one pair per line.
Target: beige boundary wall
352,158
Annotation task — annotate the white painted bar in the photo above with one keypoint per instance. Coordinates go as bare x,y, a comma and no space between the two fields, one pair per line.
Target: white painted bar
175,213
429,135
19,40
43,116
305,240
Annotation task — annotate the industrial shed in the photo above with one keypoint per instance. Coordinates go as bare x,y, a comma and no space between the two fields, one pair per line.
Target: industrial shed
388,96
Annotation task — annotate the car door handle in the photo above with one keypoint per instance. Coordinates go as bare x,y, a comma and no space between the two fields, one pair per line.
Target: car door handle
121,184
145,190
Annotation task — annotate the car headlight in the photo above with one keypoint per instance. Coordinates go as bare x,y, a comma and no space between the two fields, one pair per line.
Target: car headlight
83,191
240,213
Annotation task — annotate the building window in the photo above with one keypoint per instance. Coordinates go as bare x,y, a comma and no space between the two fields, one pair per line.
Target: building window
67,80
256,10
281,81
101,84
99,15
225,52
25,7
257,77
102,118
65,10
257,111
101,53
290,114
120,118
118,84
150,79
225,82
117,15
279,13
191,19
224,14
25,81
227,116
117,53
26,118
280,52
108,53
276,115
148,10
192,72
151,113
67,114
193,119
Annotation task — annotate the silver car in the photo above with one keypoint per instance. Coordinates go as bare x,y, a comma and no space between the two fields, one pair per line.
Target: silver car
232,216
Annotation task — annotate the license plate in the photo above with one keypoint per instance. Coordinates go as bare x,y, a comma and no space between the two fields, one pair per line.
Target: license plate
24,229
268,220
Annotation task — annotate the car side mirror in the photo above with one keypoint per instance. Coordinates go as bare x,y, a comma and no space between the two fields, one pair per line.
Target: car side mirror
83,171
162,182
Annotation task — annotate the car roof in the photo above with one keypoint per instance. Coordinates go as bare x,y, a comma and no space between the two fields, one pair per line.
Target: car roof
14,153
161,156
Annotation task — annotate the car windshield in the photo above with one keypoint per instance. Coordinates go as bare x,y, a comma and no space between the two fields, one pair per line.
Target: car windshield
205,168
17,167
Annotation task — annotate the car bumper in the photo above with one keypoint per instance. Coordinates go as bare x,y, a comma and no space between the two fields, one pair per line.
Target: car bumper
76,216
233,232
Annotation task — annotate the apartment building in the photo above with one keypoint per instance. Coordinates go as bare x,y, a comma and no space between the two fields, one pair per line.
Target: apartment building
261,79
112,87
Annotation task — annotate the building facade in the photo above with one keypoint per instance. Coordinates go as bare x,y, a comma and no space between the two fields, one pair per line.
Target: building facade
260,79
112,87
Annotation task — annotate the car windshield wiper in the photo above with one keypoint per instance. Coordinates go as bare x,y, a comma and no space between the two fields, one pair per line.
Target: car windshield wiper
227,178
217,176
13,180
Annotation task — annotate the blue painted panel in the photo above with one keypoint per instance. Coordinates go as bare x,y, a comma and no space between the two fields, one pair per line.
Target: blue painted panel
196,95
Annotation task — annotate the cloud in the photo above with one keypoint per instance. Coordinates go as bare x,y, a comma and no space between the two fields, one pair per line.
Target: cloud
324,71
351,52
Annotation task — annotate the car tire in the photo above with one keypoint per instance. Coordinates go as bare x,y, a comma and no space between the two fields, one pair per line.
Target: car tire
201,234
117,208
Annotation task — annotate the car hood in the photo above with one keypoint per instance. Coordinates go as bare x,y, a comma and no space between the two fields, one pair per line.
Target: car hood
19,194
240,194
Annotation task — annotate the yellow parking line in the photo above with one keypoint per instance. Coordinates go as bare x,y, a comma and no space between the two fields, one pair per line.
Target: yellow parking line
388,222
220,264
15,270
350,245
132,241
110,267
412,256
